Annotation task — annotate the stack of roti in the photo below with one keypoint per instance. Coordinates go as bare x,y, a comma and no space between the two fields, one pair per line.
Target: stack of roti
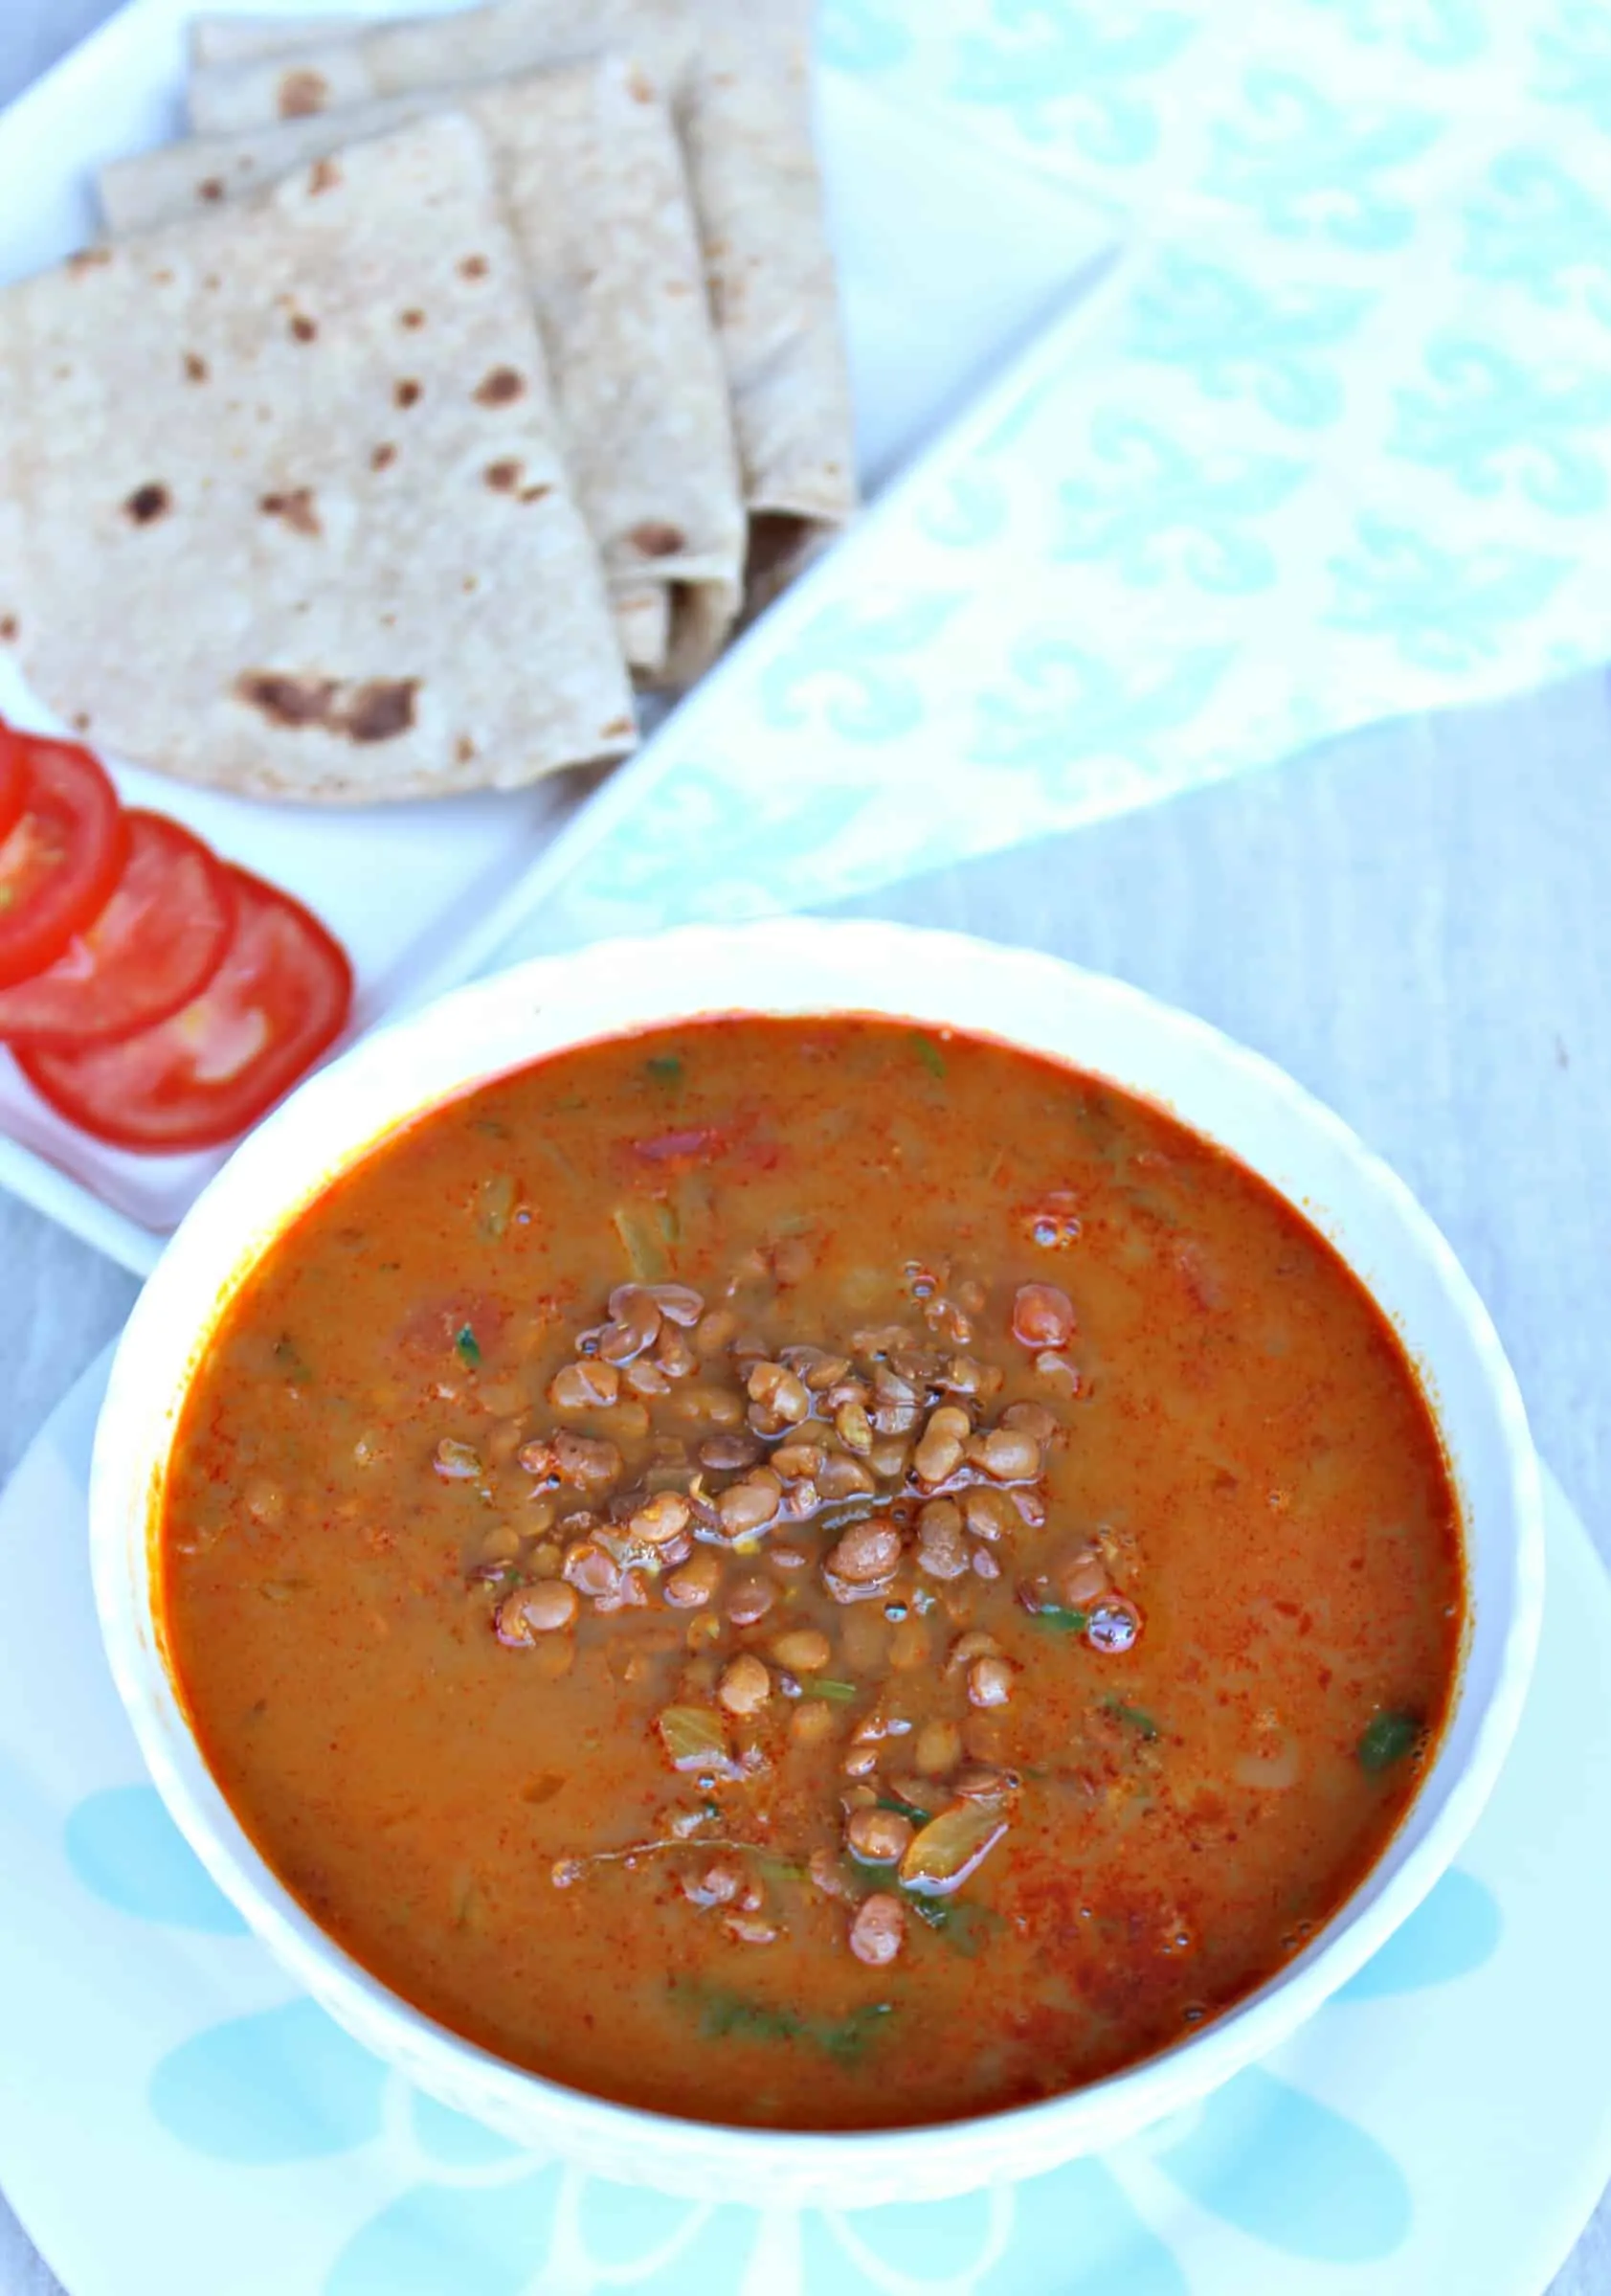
557,258
737,76
288,510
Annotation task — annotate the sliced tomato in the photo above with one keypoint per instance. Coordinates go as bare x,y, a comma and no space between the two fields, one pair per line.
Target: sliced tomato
11,776
154,946
60,858
280,994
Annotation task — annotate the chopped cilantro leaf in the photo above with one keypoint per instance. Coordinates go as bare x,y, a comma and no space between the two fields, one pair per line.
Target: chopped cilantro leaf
1060,1619
1136,1717
1386,1739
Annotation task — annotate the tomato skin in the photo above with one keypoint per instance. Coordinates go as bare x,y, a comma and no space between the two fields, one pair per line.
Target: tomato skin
61,857
11,778
280,997
154,946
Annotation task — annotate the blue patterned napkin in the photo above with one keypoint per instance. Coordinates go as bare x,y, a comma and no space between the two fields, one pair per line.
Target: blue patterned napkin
1330,442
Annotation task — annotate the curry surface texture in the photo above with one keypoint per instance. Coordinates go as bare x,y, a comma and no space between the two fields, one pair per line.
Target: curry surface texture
974,1600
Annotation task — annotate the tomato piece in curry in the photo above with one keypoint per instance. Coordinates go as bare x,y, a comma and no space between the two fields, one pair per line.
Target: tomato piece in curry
810,1573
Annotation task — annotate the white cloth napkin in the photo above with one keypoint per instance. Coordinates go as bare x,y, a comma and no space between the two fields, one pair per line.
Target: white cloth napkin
1331,441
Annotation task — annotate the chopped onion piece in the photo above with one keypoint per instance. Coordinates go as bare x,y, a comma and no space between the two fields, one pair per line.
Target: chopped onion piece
696,1738
950,1846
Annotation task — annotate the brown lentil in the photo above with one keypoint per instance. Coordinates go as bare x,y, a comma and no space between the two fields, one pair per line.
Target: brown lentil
1042,1317
745,1685
803,1650
695,1582
877,1836
750,1599
583,1385
878,1929
542,1610
990,1682
867,1554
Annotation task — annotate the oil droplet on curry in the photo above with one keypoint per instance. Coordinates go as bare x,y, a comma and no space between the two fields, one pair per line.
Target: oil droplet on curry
811,1573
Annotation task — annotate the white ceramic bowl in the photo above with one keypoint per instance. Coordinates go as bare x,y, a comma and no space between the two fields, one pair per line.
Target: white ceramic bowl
937,980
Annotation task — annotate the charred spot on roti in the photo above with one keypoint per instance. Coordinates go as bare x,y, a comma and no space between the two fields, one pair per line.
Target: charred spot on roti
406,394
382,710
384,456
534,494
463,749
211,188
474,266
9,628
147,503
413,318
640,86
196,368
503,477
472,582
303,328
302,93
290,701
379,710
296,508
617,730
655,538
323,176
80,721
88,259
500,387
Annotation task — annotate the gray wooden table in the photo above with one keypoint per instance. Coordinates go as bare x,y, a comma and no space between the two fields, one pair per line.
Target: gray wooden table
1416,922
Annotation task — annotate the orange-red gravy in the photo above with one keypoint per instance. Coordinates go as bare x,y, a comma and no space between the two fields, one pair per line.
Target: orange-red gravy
432,1679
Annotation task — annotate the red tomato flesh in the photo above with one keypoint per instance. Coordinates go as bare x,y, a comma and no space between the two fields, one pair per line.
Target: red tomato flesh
61,857
11,778
154,946
280,996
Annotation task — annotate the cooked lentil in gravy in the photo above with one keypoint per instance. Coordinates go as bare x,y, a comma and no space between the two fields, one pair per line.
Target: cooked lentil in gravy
810,1573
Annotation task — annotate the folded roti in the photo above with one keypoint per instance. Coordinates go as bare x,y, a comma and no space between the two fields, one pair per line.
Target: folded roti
615,268
243,39
287,507
738,72
757,186
402,56
189,179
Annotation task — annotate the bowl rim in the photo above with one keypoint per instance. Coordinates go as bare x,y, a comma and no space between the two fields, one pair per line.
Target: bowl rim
125,1477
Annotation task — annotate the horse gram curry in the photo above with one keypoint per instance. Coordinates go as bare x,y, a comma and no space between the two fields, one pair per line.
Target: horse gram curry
810,1573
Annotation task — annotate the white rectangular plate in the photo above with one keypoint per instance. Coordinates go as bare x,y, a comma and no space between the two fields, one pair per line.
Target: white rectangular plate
947,259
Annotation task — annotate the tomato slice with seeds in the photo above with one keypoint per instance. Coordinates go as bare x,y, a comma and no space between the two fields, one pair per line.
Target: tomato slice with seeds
154,946
11,778
61,857
280,996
